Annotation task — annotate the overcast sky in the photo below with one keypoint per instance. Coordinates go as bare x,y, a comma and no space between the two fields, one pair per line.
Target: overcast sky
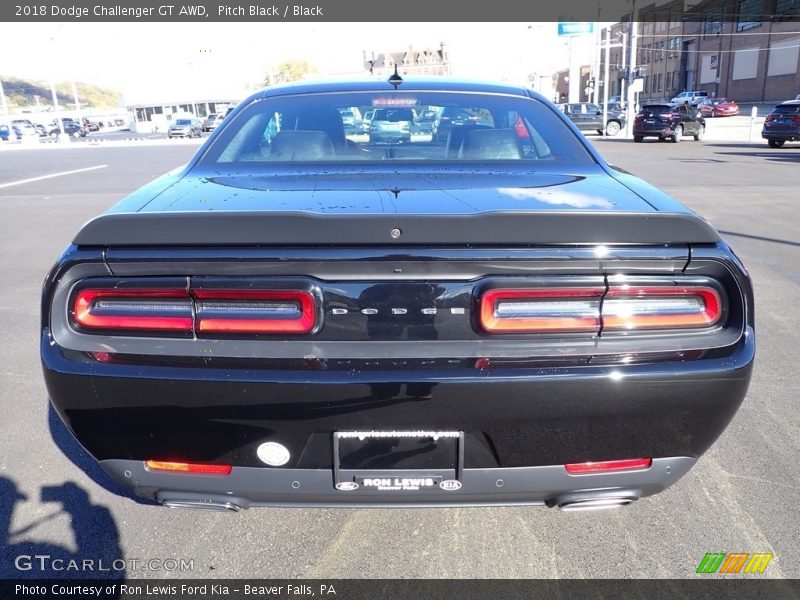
161,61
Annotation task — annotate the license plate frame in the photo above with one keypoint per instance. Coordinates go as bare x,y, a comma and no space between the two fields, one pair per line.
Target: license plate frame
382,480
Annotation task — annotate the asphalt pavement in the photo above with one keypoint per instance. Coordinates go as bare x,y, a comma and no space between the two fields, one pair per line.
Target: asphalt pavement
743,495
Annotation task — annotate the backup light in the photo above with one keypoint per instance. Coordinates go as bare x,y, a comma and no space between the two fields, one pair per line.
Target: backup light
142,309
537,310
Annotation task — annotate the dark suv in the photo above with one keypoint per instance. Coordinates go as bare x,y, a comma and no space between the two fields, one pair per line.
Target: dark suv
668,123
589,117
782,124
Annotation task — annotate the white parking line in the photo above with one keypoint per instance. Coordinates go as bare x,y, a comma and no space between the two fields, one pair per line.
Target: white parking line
32,179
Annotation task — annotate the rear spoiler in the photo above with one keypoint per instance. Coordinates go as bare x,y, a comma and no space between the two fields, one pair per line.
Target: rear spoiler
506,228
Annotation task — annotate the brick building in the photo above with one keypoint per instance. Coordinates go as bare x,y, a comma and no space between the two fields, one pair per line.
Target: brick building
748,50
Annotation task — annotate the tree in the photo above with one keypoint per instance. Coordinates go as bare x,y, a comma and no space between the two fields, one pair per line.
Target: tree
290,70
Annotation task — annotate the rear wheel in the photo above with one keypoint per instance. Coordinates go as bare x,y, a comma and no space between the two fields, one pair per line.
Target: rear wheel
701,131
638,138
677,134
776,143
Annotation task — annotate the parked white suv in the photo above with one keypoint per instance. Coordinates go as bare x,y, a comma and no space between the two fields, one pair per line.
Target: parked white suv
693,98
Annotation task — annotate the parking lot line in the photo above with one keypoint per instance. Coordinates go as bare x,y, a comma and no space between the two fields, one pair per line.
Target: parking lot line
51,175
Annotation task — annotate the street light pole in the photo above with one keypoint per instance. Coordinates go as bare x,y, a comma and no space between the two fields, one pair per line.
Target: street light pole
605,81
631,68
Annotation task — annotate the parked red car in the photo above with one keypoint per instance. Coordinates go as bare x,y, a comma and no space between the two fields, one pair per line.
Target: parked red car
718,107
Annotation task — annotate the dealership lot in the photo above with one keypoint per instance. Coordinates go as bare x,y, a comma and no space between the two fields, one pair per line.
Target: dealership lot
741,497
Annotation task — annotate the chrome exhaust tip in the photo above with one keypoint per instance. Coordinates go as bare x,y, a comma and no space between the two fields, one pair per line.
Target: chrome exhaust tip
201,505
606,503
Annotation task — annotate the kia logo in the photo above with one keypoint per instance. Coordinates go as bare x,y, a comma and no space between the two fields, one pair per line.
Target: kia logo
451,485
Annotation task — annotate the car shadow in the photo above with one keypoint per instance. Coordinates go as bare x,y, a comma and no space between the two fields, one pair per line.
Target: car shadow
758,150
98,554
70,447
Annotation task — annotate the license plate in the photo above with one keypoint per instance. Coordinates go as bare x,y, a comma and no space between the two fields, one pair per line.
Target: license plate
650,121
398,461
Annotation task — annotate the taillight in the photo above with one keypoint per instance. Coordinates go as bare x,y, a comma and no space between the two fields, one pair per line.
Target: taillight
539,310
133,309
638,118
627,307
609,466
667,116
770,118
595,309
795,118
255,311
183,467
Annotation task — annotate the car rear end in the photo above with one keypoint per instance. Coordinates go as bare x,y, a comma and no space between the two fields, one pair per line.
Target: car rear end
391,125
655,120
782,124
396,333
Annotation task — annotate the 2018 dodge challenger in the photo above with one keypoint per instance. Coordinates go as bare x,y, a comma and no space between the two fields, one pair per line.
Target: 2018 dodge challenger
304,317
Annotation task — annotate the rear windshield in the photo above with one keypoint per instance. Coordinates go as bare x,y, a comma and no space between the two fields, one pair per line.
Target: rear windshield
183,122
787,109
307,128
656,108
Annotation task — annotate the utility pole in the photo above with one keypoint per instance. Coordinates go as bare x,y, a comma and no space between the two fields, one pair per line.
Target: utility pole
605,80
596,71
3,99
630,108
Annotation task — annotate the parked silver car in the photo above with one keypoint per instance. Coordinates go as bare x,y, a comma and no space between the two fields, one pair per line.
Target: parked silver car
185,127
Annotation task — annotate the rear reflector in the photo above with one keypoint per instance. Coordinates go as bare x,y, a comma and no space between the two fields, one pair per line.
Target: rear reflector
182,467
255,311
133,309
628,307
608,466
535,310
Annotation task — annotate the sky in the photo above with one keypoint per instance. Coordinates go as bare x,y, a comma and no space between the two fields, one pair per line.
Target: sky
174,61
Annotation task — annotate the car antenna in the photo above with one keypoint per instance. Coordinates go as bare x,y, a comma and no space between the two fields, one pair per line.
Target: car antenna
395,79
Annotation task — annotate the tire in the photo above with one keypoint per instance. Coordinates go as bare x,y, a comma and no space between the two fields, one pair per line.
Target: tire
612,128
713,113
776,143
638,139
698,137
677,134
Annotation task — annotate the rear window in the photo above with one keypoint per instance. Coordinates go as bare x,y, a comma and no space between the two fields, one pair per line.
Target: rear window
308,128
656,108
183,122
787,109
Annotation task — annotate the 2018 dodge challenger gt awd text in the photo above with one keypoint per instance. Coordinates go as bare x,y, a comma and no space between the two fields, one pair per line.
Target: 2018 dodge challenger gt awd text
304,317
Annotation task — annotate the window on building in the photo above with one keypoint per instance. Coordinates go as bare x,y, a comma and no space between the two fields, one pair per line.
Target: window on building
786,8
750,14
669,81
712,25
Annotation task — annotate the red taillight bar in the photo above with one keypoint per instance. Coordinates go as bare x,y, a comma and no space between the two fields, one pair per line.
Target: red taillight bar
183,467
631,464
624,307
88,313
627,307
534,310
299,305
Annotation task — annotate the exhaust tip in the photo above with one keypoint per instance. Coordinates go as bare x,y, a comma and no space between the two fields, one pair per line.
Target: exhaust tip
595,503
202,505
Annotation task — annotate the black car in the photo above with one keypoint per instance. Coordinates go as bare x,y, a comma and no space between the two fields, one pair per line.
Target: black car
782,124
71,128
296,318
667,122
589,117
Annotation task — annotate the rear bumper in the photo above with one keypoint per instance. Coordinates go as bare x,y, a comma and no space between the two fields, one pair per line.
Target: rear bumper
787,136
653,132
520,425
247,487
